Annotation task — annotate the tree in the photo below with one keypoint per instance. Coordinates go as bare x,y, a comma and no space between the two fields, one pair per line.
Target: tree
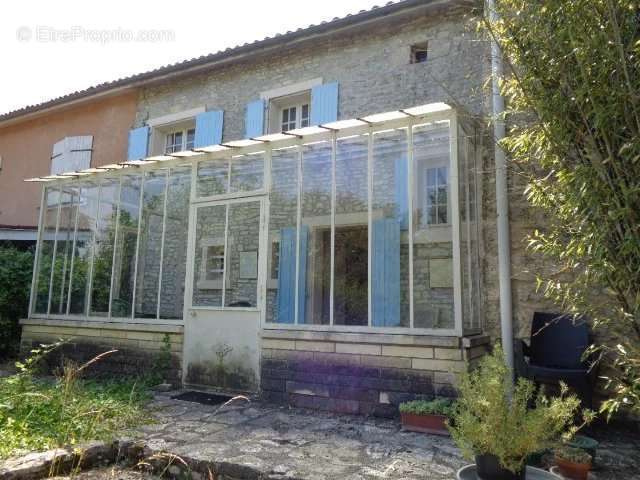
573,91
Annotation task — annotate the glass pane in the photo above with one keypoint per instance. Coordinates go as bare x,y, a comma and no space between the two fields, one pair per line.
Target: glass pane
210,226
149,259
432,239
103,256
169,143
242,256
213,177
469,247
247,172
174,261
191,135
126,242
85,236
64,245
281,285
315,234
390,230
351,275
47,244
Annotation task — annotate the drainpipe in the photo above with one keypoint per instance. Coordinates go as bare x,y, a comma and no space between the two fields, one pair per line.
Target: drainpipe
502,199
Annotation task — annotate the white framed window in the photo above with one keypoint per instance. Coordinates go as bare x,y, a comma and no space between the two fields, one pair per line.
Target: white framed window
173,132
436,198
295,116
290,112
212,266
289,106
273,261
179,140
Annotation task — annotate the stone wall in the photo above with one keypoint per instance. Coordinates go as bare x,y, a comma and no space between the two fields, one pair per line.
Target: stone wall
368,374
139,345
372,66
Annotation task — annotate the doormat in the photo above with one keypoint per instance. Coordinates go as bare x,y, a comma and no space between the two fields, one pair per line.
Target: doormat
202,397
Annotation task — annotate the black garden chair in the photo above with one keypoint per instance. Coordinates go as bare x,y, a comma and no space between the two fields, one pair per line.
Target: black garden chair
555,353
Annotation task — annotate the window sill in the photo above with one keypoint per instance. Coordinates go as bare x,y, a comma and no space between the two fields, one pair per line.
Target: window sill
142,326
410,339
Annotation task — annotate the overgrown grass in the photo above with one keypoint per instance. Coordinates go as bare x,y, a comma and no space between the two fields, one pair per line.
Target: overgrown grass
38,413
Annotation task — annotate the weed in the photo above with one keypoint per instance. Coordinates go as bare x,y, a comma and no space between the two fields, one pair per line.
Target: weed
38,413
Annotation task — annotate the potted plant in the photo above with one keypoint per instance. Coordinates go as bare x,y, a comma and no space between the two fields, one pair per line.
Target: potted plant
426,416
587,444
573,462
492,420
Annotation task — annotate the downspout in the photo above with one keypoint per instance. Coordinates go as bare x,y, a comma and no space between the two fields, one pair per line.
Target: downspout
502,199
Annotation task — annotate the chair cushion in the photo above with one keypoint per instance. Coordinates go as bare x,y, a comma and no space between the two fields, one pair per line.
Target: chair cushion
558,341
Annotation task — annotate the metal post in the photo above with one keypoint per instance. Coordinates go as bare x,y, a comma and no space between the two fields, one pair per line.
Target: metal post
502,199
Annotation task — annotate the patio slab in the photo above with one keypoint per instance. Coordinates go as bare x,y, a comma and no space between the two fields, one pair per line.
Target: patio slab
259,440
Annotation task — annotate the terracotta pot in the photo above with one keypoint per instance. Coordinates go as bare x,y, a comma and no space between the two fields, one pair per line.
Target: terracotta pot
424,423
575,471
488,468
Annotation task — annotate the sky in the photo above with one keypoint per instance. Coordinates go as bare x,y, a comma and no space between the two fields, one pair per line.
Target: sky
51,48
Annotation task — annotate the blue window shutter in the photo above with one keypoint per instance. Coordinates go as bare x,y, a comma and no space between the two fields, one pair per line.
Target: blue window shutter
386,273
402,184
302,273
138,142
324,103
208,128
254,120
287,275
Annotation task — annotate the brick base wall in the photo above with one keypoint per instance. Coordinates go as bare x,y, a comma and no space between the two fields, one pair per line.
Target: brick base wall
138,346
359,373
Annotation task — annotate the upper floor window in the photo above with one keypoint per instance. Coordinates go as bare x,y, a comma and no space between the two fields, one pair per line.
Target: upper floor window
290,112
71,154
419,52
179,140
295,116
173,132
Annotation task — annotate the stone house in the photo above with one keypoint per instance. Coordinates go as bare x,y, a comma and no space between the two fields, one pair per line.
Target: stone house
310,217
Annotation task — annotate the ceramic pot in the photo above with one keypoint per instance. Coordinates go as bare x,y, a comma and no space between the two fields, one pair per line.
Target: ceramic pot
574,471
489,468
434,424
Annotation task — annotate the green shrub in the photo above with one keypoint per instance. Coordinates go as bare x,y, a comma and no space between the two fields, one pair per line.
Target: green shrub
438,406
162,363
493,417
39,414
15,283
574,136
